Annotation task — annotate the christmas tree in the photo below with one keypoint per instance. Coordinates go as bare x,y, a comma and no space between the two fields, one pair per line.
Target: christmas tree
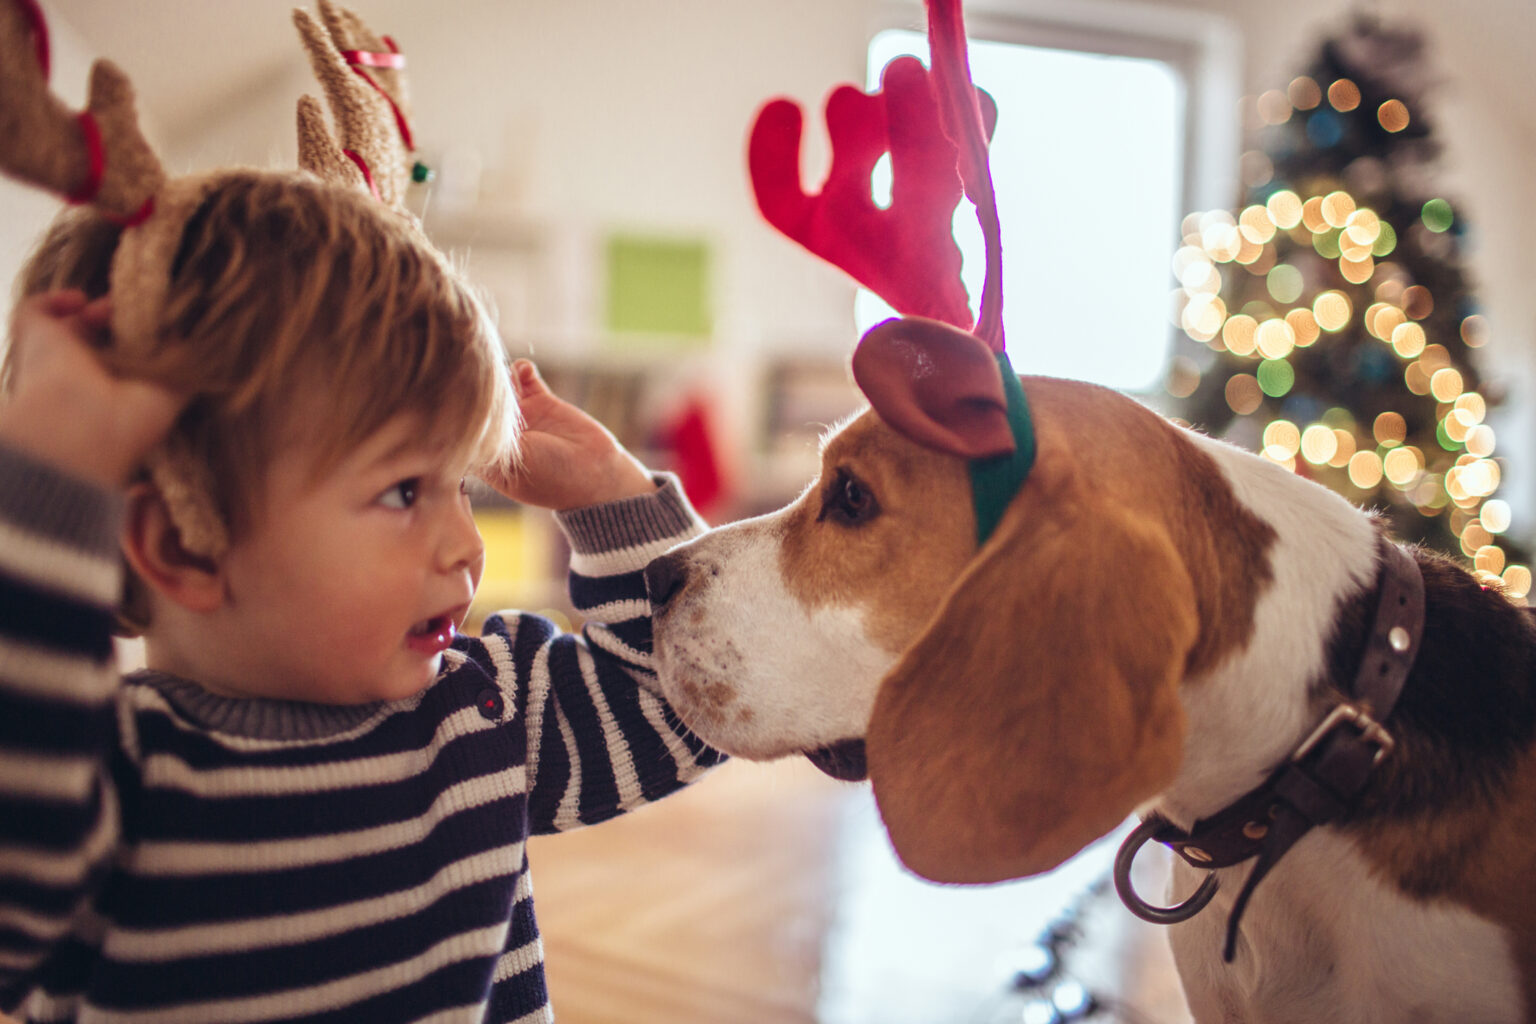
1334,319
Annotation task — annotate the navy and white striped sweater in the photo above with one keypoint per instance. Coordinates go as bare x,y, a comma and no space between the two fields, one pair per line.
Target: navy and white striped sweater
169,855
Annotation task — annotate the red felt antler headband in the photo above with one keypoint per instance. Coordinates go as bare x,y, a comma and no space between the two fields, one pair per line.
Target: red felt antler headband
905,253
933,375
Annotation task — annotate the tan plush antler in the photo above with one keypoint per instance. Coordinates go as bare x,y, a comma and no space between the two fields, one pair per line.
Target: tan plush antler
99,156
96,156
365,85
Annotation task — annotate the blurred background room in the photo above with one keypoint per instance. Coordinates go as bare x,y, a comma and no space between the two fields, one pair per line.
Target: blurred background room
1301,226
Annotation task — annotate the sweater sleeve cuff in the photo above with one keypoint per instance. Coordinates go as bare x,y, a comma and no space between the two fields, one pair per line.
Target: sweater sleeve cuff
664,516
47,504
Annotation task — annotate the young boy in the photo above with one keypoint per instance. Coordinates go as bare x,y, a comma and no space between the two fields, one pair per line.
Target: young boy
313,803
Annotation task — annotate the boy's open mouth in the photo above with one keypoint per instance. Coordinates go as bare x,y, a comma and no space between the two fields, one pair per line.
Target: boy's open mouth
432,636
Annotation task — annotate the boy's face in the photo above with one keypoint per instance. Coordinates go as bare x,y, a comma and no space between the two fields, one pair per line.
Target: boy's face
348,588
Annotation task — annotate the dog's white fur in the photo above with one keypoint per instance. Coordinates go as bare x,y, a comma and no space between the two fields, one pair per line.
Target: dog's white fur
1312,959
1418,964
788,678
1237,730
754,633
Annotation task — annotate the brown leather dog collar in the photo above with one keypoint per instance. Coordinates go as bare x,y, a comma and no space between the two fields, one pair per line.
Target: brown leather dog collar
1319,781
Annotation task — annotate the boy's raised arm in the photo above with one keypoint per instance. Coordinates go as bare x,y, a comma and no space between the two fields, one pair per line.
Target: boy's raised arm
69,436
60,575
600,739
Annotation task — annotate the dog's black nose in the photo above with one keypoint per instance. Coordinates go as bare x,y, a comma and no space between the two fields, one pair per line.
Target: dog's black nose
664,577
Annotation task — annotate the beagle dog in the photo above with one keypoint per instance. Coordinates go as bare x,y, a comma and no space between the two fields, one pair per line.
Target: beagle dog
1163,624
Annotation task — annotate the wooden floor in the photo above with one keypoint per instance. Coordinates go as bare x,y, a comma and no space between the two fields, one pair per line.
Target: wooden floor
767,894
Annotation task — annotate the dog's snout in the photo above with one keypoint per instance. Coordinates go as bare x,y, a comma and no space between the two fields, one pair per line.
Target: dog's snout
664,577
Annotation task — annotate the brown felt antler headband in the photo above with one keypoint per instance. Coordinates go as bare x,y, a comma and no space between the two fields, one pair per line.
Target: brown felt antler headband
99,157
933,375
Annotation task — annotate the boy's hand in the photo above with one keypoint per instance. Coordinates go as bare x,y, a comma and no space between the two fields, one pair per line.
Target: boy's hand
569,460
65,407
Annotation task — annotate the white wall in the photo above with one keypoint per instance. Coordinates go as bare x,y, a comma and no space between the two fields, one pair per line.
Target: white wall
591,115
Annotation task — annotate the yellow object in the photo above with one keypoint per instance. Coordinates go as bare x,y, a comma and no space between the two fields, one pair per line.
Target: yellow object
519,557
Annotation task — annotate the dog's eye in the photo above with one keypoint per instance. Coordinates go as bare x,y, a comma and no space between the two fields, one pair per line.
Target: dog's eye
849,501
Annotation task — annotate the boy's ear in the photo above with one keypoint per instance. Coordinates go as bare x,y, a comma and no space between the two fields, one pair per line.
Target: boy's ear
152,545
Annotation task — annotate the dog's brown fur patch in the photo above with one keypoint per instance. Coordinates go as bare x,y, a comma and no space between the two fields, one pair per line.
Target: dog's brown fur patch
1478,856
1145,463
898,565
1502,855
1452,813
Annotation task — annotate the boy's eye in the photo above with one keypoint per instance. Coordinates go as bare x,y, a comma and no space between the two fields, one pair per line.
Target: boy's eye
401,495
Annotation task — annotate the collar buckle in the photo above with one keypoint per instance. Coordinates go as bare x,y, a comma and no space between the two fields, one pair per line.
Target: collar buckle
1368,730
1321,780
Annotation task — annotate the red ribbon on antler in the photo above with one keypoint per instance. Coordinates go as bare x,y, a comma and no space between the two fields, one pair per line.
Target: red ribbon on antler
362,165
95,160
394,60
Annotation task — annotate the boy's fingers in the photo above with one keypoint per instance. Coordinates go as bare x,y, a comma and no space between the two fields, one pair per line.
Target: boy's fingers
63,303
98,312
526,379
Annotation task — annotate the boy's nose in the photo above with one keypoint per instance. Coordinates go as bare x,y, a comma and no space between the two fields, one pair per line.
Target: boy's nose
462,547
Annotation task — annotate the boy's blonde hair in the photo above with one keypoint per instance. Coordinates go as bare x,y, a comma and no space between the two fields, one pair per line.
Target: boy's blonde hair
290,295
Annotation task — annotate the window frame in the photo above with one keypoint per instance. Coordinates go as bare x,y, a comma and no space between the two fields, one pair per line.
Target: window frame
1204,49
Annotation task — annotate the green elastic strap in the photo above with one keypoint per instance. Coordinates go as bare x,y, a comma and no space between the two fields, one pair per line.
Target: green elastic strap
995,480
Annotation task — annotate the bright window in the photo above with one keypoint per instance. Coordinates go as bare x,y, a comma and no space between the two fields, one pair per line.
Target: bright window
1088,166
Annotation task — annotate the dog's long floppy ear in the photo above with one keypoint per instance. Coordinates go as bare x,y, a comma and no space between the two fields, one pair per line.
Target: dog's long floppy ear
1041,705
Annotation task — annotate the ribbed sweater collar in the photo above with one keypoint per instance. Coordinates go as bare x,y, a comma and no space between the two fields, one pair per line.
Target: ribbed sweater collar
255,717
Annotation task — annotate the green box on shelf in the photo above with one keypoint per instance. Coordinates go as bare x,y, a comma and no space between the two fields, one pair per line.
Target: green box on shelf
659,287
